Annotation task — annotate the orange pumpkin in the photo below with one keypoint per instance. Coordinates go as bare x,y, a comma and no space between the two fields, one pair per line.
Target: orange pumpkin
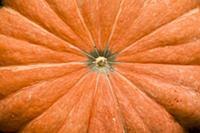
99,66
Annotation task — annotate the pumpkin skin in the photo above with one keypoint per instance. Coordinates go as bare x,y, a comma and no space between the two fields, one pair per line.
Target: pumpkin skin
46,85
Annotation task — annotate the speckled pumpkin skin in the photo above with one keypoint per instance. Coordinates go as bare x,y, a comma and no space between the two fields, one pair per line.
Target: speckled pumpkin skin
46,85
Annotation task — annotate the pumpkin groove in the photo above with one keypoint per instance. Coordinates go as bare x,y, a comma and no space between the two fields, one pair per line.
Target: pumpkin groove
150,19
31,32
183,31
99,66
31,74
54,25
149,109
58,111
37,97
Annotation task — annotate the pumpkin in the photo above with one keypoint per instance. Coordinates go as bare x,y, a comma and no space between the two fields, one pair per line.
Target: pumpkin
99,66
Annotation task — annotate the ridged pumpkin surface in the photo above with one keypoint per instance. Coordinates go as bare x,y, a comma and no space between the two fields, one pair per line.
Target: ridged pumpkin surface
51,81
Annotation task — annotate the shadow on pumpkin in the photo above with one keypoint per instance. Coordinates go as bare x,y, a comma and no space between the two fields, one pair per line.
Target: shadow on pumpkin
194,130
190,130
1,3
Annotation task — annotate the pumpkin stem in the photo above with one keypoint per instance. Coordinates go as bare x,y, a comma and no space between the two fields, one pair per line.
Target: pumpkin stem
101,61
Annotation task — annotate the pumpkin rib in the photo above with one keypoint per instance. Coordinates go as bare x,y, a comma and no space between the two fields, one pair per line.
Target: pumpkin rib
42,46
32,66
145,124
180,73
117,102
132,45
35,84
148,63
143,128
10,14
169,119
39,72
183,103
95,94
185,12
88,12
53,108
17,52
64,127
124,57
193,118
171,82
41,82
72,19
56,27
104,117
72,51
108,10
134,11
114,24
85,25
43,28
64,21
33,107
159,47
180,31
183,54
9,129
120,13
